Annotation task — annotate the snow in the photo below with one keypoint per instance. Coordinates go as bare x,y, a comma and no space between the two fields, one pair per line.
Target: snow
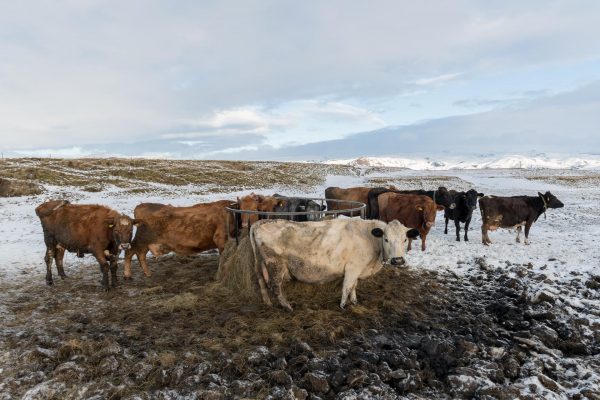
446,162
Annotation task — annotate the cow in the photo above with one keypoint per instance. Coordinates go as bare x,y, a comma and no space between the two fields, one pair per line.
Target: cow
514,212
84,229
441,197
298,204
187,230
465,203
356,194
413,211
319,252
259,203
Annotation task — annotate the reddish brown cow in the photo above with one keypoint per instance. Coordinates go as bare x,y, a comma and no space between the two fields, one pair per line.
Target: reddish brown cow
257,202
82,229
360,194
186,230
413,211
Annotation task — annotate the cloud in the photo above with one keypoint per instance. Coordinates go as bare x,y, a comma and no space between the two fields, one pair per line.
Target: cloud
80,73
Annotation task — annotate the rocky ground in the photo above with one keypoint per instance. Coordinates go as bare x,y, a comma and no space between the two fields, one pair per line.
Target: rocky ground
415,334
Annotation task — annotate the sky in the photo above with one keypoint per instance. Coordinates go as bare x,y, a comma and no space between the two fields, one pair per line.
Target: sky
298,80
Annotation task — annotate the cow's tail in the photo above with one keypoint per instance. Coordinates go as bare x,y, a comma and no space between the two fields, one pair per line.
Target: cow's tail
261,273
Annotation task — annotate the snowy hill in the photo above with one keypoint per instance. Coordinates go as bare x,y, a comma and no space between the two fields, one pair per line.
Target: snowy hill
477,162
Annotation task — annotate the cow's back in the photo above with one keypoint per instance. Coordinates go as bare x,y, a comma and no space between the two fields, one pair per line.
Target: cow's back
184,230
77,226
413,211
358,194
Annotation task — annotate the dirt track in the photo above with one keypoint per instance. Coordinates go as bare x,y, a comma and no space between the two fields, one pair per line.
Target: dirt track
415,333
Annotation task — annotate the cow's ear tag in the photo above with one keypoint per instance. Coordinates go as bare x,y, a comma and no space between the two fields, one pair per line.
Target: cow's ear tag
419,208
110,225
377,232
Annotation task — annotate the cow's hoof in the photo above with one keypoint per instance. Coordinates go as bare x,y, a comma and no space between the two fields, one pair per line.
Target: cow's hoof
458,239
49,283
63,277
466,239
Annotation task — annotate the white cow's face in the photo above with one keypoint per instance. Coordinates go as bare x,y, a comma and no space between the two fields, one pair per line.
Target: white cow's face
394,241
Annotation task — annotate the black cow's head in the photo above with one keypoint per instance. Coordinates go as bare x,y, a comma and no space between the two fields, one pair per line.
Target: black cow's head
550,200
313,206
443,197
121,228
471,198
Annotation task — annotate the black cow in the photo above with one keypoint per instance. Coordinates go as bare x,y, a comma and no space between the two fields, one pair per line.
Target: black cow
514,212
465,203
298,204
441,197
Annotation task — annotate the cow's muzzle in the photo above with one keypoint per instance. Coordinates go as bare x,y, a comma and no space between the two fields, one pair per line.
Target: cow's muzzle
125,246
397,261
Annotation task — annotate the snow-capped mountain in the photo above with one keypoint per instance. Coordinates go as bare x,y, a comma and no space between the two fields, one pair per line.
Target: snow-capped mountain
478,162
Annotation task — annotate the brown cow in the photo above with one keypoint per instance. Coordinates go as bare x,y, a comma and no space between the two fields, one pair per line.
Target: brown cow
360,194
82,229
186,230
413,211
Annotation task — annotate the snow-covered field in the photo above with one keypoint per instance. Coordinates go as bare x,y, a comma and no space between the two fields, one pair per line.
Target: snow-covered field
560,265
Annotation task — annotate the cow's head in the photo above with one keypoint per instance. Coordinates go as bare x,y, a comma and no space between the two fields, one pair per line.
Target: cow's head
258,202
471,198
443,197
394,240
121,228
550,200
313,206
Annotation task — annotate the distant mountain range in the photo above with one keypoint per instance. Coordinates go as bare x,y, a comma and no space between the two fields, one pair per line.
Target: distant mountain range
585,162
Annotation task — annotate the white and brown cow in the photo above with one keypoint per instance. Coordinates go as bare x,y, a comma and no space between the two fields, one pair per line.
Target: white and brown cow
319,252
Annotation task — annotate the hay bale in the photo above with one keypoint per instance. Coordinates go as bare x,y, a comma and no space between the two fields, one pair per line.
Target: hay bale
236,269
14,188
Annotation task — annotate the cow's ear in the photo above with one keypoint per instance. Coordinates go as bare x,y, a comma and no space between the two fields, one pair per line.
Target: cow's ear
480,195
412,233
280,203
136,221
323,208
377,232
541,195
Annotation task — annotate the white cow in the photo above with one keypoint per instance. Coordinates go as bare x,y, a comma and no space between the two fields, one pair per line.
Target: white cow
319,252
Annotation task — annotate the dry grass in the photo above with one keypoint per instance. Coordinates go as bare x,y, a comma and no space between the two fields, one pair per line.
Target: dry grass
16,187
421,182
584,180
143,175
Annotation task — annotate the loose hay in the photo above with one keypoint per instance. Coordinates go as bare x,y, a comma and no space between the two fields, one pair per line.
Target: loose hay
236,269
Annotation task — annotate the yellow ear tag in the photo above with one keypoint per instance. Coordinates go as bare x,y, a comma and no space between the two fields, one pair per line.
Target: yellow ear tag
420,208
110,225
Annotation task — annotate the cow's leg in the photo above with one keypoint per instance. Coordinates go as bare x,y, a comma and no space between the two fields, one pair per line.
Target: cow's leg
277,279
353,298
467,222
219,238
59,255
409,245
457,225
484,235
113,270
48,259
423,240
349,284
527,228
104,267
518,239
143,263
446,228
127,263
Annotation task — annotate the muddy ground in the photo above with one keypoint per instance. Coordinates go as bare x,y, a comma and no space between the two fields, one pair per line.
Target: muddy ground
178,334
